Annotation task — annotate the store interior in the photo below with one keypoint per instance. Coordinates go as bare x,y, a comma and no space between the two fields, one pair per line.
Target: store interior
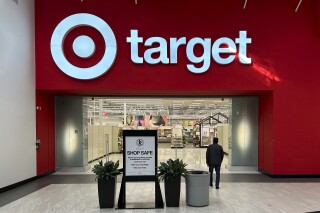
185,126
91,128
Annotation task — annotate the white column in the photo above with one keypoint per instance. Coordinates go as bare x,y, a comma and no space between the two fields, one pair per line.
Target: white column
17,92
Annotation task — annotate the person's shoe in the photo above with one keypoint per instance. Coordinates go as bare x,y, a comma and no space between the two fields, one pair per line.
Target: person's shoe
211,185
217,187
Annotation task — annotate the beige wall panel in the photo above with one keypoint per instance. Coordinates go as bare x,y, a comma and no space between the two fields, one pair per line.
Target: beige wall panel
101,142
115,132
90,142
223,135
108,131
95,152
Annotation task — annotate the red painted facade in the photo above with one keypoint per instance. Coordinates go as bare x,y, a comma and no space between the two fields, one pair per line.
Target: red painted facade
45,128
284,50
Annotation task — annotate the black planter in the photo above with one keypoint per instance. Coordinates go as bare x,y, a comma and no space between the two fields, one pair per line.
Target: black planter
106,192
172,192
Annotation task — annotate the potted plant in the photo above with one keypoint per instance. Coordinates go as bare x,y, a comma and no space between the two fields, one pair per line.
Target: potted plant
106,174
171,172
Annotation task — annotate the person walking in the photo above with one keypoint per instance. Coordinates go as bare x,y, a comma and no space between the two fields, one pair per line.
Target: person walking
214,157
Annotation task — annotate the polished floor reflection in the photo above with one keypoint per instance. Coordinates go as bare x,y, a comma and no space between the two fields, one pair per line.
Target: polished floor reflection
241,191
231,197
194,157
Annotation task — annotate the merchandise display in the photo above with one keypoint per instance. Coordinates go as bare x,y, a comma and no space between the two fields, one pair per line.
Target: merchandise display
164,134
175,128
177,141
139,120
157,120
129,120
205,136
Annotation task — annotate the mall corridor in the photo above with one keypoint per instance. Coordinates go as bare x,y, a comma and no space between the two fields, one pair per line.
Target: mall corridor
238,193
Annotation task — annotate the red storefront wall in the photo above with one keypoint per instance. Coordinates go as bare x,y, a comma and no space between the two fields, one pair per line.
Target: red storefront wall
284,50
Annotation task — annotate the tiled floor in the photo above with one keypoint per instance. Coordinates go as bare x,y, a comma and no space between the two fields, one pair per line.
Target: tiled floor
232,197
240,191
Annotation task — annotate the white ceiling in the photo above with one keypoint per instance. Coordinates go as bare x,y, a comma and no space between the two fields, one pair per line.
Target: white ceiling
174,108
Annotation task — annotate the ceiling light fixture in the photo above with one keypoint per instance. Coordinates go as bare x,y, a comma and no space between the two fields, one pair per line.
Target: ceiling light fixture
245,4
298,6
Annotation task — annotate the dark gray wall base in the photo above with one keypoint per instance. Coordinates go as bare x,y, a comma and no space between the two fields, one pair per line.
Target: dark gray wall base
290,176
15,185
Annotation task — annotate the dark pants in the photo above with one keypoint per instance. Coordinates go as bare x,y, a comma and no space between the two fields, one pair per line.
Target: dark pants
217,169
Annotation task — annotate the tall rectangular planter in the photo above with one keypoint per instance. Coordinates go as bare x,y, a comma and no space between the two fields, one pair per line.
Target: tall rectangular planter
172,192
107,192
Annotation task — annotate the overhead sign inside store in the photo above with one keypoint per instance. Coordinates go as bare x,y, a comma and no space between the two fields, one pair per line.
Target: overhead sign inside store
223,50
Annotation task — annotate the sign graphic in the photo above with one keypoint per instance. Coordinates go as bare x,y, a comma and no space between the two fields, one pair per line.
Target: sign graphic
83,46
140,155
214,50
140,142
158,50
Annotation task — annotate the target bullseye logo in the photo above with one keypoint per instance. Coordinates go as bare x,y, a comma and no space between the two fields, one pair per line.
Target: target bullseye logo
83,46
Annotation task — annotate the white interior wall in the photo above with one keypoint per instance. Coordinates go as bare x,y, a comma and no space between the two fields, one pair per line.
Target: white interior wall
97,140
17,92
223,135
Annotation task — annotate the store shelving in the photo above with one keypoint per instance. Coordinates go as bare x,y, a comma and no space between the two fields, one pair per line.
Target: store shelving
176,143
165,134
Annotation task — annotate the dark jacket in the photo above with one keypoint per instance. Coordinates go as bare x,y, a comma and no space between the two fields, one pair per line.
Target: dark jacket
214,154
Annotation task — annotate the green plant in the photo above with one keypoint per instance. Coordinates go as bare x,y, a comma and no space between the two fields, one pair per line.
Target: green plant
171,169
107,170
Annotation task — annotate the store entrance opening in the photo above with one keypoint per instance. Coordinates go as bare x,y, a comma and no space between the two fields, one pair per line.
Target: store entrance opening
90,128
